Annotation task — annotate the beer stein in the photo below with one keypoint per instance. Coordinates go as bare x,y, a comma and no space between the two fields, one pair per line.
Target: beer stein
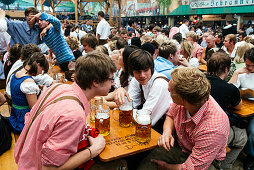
125,114
93,103
102,119
143,126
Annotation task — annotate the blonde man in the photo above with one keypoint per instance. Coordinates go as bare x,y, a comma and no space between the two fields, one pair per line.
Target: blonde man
200,125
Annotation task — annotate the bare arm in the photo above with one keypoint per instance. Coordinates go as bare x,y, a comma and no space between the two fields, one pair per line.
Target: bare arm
31,99
167,140
2,99
234,77
202,59
97,146
3,23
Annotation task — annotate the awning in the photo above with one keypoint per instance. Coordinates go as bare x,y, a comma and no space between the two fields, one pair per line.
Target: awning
186,10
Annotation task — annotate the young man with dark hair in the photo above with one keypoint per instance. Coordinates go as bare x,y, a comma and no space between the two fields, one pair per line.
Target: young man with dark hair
57,122
148,82
227,96
23,32
54,39
196,129
103,29
89,42
132,26
219,40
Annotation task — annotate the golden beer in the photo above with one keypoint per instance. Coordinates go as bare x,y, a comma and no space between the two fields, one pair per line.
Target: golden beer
125,116
143,128
102,123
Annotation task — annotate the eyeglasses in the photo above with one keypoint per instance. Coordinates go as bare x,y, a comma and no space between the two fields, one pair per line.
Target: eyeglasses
111,79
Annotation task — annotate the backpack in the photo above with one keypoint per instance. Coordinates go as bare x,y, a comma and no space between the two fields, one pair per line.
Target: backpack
5,135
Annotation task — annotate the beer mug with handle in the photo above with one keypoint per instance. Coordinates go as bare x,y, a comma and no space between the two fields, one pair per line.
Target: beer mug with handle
143,126
94,102
102,119
125,114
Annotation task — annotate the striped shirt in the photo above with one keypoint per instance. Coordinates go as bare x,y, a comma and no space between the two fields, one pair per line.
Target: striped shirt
204,136
55,40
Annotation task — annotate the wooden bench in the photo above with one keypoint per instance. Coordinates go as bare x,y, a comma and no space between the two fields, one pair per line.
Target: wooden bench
7,161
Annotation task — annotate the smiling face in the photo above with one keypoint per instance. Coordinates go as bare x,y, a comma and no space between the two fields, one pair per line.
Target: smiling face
142,76
43,24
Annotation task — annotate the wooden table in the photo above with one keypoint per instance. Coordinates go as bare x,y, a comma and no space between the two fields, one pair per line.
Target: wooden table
202,68
121,142
246,110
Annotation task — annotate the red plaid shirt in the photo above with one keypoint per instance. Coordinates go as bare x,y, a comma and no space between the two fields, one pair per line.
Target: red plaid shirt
204,136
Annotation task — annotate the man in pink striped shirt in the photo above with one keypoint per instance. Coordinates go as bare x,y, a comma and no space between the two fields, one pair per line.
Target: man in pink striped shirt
201,127
50,141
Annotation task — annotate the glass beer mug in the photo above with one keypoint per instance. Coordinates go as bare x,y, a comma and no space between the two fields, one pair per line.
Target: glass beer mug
94,102
102,119
143,126
125,114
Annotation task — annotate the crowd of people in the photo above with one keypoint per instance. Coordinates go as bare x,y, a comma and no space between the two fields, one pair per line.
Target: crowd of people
156,68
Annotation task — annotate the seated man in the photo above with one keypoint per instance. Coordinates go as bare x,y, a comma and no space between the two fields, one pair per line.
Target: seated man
227,96
244,78
57,122
148,89
201,126
168,59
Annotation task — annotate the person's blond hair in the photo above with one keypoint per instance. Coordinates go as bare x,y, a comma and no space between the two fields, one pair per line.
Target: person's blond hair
191,85
239,57
187,48
232,38
146,39
193,35
72,42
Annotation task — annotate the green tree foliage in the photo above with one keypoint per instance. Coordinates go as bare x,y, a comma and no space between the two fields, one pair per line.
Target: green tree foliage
165,6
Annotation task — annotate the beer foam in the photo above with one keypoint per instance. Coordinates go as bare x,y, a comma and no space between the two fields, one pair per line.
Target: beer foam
125,108
143,120
102,116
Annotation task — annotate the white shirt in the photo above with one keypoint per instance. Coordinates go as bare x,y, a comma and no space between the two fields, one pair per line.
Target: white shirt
103,29
156,94
3,25
233,52
249,30
78,34
245,81
44,79
183,29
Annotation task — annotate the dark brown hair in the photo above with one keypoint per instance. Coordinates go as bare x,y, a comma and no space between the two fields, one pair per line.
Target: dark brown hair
28,50
32,10
90,39
95,66
140,60
37,58
249,55
217,63
15,53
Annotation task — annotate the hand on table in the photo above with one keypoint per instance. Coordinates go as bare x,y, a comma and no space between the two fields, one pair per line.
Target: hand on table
96,145
119,96
166,141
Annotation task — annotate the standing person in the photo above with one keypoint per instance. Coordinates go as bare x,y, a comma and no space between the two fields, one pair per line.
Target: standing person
52,141
54,39
24,90
201,127
103,29
229,29
23,32
183,29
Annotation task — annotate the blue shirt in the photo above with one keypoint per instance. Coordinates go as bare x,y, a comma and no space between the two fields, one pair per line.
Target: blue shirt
54,39
164,66
21,33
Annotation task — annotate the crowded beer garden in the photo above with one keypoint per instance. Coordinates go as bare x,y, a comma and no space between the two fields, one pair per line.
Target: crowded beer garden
127,84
